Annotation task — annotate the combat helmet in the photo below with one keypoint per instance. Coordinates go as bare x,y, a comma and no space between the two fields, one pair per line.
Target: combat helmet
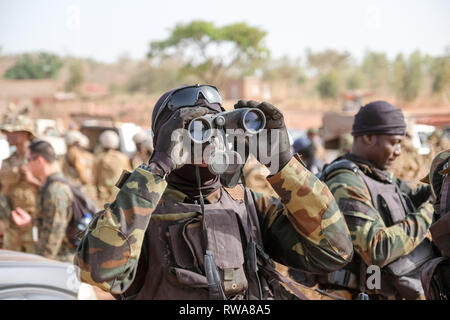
140,137
147,145
109,139
72,137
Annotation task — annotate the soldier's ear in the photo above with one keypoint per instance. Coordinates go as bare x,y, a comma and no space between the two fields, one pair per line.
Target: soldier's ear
369,139
41,160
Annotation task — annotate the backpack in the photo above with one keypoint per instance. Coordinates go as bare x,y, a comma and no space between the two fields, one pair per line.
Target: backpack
83,209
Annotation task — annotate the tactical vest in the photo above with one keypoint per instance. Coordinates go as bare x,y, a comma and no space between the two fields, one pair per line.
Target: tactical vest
172,266
400,277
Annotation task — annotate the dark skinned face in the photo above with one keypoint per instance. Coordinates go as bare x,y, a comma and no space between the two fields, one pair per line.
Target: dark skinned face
384,149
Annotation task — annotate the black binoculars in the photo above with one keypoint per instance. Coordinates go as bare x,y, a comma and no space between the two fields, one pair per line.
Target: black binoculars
250,120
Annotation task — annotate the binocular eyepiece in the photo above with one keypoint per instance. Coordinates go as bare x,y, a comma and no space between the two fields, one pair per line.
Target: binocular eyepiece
250,120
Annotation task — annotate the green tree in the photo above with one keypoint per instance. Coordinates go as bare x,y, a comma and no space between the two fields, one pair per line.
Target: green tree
376,69
413,77
284,69
440,73
76,76
398,77
328,60
209,52
328,85
355,80
35,66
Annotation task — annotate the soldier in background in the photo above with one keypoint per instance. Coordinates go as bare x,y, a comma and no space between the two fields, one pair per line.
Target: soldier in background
108,166
306,148
144,148
78,163
75,165
54,203
313,134
18,187
345,143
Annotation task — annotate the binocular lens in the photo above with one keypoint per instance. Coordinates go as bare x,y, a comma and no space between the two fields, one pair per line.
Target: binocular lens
253,121
198,130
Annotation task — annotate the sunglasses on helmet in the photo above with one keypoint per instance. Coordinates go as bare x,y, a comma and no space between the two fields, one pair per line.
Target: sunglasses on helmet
188,96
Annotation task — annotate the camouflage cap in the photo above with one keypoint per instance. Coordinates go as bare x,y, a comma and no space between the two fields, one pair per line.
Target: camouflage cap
439,167
17,123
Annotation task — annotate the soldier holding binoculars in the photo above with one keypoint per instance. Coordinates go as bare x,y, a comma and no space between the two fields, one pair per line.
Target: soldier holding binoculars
184,226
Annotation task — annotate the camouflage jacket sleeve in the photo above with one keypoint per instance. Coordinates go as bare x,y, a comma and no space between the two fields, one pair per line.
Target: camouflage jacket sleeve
53,217
304,228
109,251
376,243
419,195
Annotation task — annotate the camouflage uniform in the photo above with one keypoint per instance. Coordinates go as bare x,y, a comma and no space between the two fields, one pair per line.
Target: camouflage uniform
54,210
16,191
108,167
375,240
302,228
255,177
78,166
20,194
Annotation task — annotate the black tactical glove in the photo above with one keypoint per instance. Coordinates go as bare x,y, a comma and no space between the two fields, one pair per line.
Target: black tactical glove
280,143
166,154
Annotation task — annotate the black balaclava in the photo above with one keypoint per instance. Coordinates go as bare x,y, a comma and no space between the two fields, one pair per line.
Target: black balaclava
184,179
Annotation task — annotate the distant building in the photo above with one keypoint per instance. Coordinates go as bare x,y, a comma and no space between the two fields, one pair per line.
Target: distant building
31,93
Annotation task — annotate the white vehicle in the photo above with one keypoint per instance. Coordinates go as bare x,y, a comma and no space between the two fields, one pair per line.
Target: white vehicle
126,130
4,150
50,131
420,135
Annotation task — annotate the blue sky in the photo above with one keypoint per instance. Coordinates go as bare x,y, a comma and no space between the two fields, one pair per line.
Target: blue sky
103,30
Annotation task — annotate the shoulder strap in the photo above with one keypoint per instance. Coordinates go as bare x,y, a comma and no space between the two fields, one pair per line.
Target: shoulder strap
47,184
338,165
